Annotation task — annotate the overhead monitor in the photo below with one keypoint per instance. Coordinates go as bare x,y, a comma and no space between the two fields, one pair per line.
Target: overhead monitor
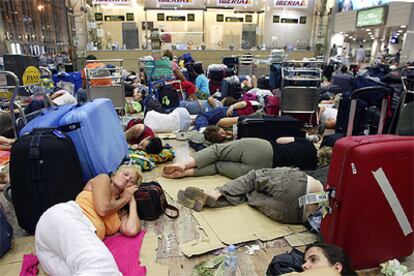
371,17
351,5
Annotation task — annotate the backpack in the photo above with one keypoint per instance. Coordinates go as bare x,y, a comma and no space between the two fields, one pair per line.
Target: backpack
6,233
286,263
151,201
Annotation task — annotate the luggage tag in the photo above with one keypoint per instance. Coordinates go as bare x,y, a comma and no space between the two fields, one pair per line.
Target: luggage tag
321,198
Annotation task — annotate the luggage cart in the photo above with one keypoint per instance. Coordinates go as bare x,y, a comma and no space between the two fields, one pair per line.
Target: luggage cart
14,100
403,118
246,65
300,93
159,74
114,91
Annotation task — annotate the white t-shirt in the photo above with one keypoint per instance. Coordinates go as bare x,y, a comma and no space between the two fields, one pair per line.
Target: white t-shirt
360,54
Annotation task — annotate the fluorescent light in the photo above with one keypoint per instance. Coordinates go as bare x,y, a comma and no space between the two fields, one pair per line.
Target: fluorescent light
364,40
367,30
400,31
354,39
403,26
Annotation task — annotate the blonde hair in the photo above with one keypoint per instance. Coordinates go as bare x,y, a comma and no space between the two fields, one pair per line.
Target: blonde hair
325,155
135,168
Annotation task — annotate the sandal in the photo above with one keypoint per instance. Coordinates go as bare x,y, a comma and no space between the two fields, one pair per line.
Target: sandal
196,205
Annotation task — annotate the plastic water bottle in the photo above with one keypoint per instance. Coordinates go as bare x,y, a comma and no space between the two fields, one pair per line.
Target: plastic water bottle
231,261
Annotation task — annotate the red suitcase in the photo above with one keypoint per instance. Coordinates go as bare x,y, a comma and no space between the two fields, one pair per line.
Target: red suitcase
371,179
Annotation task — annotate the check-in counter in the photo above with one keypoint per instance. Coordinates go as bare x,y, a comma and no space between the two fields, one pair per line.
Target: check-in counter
205,56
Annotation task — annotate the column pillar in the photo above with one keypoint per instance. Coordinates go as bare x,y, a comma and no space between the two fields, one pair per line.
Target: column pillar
407,52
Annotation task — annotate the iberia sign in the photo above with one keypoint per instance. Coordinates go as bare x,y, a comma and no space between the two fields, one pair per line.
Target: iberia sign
172,2
106,2
297,4
234,3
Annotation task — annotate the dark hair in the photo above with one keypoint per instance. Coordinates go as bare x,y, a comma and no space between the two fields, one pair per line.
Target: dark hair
344,68
211,133
228,101
198,68
6,125
167,53
154,146
91,57
335,254
361,46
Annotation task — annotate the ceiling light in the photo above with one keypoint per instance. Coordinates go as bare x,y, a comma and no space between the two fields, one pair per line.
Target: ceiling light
367,30
364,40
370,33
354,39
400,31
382,39
403,26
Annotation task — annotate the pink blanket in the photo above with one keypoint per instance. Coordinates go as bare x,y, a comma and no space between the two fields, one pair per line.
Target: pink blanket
126,253
124,249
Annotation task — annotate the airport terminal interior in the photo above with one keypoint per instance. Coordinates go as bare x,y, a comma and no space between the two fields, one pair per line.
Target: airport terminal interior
206,137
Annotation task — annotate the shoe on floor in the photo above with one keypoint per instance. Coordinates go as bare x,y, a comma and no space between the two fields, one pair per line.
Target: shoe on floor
198,194
313,138
196,205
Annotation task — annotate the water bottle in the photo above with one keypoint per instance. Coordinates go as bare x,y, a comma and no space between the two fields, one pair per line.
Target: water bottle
231,261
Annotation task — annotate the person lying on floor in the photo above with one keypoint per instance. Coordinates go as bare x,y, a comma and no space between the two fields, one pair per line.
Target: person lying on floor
141,137
319,255
139,97
224,116
201,106
327,114
273,191
68,237
238,157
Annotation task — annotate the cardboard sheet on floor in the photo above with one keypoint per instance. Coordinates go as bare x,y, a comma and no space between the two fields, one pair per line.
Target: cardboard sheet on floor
228,225
148,255
11,263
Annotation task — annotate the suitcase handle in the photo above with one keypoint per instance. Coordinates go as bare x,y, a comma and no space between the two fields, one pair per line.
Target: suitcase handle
366,91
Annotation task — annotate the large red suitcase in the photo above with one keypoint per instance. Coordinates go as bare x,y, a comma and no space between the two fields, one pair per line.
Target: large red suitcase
371,179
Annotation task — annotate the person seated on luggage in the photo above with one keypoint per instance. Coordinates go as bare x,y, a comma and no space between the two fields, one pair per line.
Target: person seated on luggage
103,72
238,157
136,105
68,237
141,137
202,87
273,191
200,106
186,85
318,255
224,116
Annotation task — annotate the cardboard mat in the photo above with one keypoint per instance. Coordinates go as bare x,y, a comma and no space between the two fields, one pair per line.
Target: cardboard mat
227,225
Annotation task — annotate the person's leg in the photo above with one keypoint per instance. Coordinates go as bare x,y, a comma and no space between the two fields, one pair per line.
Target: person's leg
233,169
134,132
257,153
74,246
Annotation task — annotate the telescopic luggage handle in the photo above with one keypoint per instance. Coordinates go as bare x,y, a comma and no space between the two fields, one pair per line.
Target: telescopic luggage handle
373,90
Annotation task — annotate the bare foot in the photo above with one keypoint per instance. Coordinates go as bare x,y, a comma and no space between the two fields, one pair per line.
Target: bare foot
176,167
175,174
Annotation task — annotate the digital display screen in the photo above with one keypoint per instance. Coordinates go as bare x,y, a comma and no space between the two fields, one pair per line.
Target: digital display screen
371,17
350,5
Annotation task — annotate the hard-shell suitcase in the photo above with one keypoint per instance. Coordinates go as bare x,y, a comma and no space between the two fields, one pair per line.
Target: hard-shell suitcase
48,118
44,171
96,131
269,127
371,198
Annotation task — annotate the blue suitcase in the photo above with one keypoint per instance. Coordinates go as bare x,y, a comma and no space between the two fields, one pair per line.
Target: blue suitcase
47,118
98,136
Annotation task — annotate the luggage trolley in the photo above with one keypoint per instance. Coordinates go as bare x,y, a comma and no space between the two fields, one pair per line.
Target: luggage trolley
159,74
115,90
300,93
15,97
246,65
404,116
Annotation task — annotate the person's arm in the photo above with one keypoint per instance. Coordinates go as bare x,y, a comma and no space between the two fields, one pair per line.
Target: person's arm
285,140
130,222
103,201
134,132
227,122
179,75
57,94
6,143
235,106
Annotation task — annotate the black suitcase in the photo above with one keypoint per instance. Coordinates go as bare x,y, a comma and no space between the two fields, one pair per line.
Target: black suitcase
230,87
216,74
269,127
263,82
231,61
44,170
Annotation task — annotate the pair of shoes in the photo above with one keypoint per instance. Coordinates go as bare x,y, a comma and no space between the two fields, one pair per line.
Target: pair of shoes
194,198
321,128
196,205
